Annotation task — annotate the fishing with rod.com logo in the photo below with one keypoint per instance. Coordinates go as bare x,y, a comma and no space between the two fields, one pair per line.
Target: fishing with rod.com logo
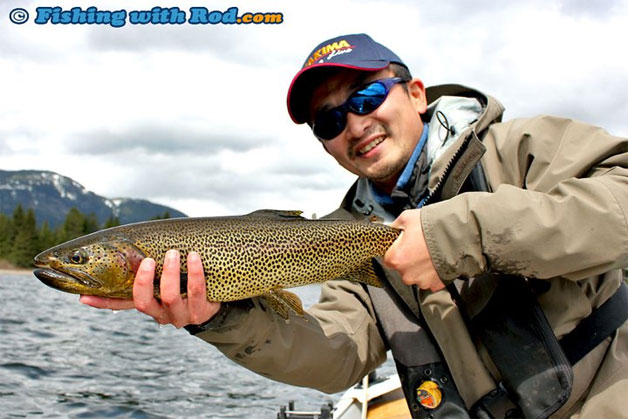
56,15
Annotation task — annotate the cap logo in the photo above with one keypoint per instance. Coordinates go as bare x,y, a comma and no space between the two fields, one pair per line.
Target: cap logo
332,50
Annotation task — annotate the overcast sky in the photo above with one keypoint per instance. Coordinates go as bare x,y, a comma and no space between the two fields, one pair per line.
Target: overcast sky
194,116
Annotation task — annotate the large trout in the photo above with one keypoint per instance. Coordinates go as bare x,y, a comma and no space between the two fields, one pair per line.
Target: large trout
258,254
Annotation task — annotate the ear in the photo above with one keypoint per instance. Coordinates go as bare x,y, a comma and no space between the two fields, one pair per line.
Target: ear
416,91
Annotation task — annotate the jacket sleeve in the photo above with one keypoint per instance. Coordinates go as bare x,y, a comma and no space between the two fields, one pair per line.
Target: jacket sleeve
330,349
558,206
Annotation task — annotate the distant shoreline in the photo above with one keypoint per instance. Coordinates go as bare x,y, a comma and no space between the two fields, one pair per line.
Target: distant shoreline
7,267
15,271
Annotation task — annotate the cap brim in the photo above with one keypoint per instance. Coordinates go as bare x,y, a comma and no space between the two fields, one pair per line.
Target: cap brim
300,90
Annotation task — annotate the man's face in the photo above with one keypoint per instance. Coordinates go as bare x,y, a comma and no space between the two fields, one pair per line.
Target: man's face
377,145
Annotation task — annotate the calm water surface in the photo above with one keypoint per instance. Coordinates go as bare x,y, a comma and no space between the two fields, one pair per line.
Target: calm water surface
59,358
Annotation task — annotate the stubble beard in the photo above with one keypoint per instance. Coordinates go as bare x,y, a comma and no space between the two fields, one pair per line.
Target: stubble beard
389,171
386,174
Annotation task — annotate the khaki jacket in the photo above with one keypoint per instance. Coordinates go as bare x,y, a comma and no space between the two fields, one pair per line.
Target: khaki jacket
556,211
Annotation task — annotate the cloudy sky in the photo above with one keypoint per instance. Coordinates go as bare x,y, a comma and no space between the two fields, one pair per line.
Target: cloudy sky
194,116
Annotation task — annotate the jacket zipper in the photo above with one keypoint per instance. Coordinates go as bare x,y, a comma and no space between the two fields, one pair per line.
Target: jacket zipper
448,167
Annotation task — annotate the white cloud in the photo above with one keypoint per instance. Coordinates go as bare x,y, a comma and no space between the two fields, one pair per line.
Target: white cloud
195,117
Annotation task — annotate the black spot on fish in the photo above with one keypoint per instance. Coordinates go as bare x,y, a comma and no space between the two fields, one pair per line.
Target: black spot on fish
183,287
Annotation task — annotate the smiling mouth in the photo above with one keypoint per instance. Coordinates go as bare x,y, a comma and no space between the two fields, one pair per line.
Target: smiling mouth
362,151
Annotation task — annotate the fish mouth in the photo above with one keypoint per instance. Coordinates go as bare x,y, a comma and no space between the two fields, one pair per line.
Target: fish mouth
62,279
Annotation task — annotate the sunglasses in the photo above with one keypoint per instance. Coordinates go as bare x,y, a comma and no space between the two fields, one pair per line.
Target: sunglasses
330,123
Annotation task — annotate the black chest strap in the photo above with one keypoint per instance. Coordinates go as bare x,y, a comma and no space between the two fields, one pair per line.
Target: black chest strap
419,363
595,328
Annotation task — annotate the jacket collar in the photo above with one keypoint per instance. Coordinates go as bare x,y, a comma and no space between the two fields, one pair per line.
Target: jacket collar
493,110
490,111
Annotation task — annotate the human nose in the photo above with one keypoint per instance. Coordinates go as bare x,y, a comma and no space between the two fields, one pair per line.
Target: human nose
356,125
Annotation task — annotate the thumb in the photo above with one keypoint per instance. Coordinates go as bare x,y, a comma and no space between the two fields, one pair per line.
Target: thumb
406,217
398,223
390,257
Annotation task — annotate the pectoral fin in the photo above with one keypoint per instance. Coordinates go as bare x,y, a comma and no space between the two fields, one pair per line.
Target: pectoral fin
282,302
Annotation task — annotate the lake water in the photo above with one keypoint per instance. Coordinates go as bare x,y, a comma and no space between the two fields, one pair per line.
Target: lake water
59,358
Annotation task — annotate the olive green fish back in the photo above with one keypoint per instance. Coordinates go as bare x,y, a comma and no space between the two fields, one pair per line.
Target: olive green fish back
253,255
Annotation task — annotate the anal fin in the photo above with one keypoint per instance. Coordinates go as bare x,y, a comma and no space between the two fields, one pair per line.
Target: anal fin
282,302
365,274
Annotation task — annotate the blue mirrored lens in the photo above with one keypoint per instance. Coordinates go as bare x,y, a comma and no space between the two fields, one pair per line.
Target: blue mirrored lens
329,124
368,99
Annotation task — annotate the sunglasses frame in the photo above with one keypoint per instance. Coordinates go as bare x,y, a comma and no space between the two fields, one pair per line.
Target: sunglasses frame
341,110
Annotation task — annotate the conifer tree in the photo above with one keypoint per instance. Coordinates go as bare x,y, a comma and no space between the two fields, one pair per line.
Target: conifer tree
18,216
112,222
163,216
18,220
25,243
73,226
47,237
90,224
6,236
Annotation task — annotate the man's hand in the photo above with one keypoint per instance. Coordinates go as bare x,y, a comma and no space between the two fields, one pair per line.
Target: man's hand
195,309
409,254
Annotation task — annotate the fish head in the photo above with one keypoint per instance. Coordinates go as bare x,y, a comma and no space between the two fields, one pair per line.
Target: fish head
102,267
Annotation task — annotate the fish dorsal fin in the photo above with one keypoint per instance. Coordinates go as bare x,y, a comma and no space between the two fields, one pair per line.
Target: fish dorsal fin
282,302
344,215
277,214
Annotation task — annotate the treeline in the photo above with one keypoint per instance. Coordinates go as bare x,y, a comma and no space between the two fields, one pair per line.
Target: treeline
21,239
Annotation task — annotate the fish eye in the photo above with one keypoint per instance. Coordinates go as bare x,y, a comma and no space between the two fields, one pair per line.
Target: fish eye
78,257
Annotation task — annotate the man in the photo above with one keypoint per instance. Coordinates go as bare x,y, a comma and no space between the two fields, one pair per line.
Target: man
523,222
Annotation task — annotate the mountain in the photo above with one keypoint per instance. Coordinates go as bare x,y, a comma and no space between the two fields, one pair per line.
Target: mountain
51,196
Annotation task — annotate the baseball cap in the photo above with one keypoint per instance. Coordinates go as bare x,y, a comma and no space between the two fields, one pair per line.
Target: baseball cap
356,51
